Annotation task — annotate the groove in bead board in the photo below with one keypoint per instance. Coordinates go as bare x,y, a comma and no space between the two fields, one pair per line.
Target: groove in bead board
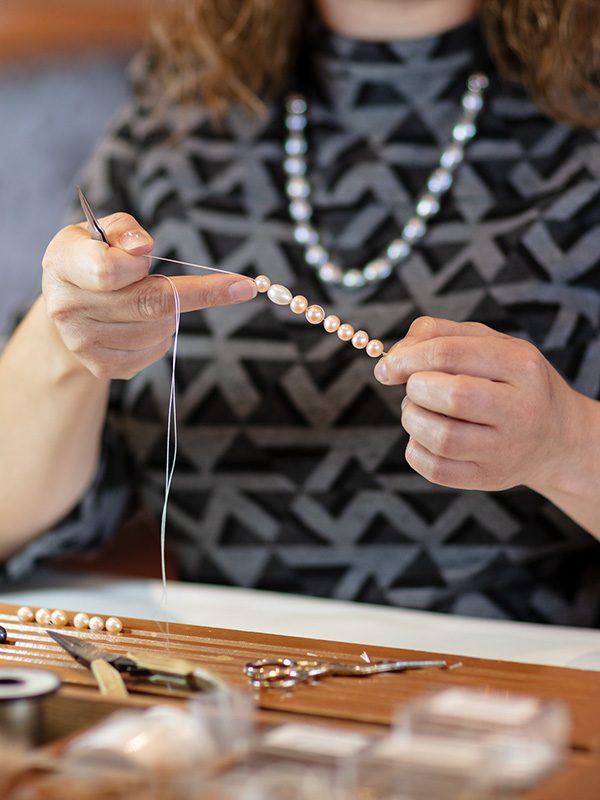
367,700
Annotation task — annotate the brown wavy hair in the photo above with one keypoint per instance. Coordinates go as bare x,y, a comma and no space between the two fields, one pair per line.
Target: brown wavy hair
240,51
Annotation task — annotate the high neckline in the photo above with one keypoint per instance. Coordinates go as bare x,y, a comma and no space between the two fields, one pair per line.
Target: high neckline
349,74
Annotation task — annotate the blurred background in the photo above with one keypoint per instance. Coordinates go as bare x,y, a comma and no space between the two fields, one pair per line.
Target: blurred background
62,76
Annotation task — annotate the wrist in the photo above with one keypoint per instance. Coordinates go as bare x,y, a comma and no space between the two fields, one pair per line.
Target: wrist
62,364
573,468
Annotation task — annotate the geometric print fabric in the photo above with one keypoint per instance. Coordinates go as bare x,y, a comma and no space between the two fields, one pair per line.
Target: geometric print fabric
291,474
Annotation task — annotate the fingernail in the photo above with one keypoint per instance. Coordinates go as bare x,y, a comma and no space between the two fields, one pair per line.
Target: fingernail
135,242
404,402
241,291
381,371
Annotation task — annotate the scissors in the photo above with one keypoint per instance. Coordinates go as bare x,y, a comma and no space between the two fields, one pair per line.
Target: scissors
283,673
156,669
96,230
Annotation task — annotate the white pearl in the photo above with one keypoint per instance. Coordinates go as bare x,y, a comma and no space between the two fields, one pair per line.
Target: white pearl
478,82
375,348
96,624
296,104
300,210
360,340
263,283
59,619
332,323
427,206
414,229
452,156
299,304
330,273
345,332
294,166
397,250
114,625
280,295
315,255
315,315
42,616
440,181
81,621
298,188
296,146
305,234
472,102
25,614
378,270
463,131
353,279
295,122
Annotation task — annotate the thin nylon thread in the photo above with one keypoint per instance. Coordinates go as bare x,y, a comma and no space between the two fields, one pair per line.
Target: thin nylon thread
171,431
196,266
172,411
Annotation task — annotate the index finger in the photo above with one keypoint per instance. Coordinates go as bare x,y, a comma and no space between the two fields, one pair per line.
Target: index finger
481,357
424,328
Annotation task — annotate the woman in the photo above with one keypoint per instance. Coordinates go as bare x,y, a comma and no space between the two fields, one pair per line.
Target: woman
294,472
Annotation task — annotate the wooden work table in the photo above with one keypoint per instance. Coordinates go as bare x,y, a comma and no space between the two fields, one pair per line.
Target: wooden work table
366,705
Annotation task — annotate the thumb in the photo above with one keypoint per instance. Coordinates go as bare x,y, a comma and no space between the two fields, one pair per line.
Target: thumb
125,232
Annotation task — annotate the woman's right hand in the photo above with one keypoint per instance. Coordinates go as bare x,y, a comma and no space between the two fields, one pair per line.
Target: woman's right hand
110,313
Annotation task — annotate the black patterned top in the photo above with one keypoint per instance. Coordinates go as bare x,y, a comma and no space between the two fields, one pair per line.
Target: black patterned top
291,474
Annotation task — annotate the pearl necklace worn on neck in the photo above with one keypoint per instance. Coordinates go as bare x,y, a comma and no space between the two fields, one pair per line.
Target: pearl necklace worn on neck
301,210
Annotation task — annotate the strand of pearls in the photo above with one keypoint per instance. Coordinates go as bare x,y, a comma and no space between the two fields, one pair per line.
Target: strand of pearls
60,619
440,181
282,296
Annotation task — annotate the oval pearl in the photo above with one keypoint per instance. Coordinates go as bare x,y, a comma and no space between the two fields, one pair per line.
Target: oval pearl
360,340
332,323
345,332
299,304
280,295
375,348
263,283
59,619
81,621
114,625
42,616
25,614
3,635
96,624
315,315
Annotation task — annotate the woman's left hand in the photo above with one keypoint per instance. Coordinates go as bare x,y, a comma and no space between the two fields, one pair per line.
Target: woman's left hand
483,410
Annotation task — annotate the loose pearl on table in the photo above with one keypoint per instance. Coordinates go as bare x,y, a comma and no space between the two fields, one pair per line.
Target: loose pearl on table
280,295
375,348
360,340
332,323
81,621
345,332
96,624
3,635
114,625
42,616
59,619
263,283
299,304
25,614
315,315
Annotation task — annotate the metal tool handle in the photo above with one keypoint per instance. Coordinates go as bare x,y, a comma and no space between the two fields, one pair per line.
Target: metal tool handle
398,666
